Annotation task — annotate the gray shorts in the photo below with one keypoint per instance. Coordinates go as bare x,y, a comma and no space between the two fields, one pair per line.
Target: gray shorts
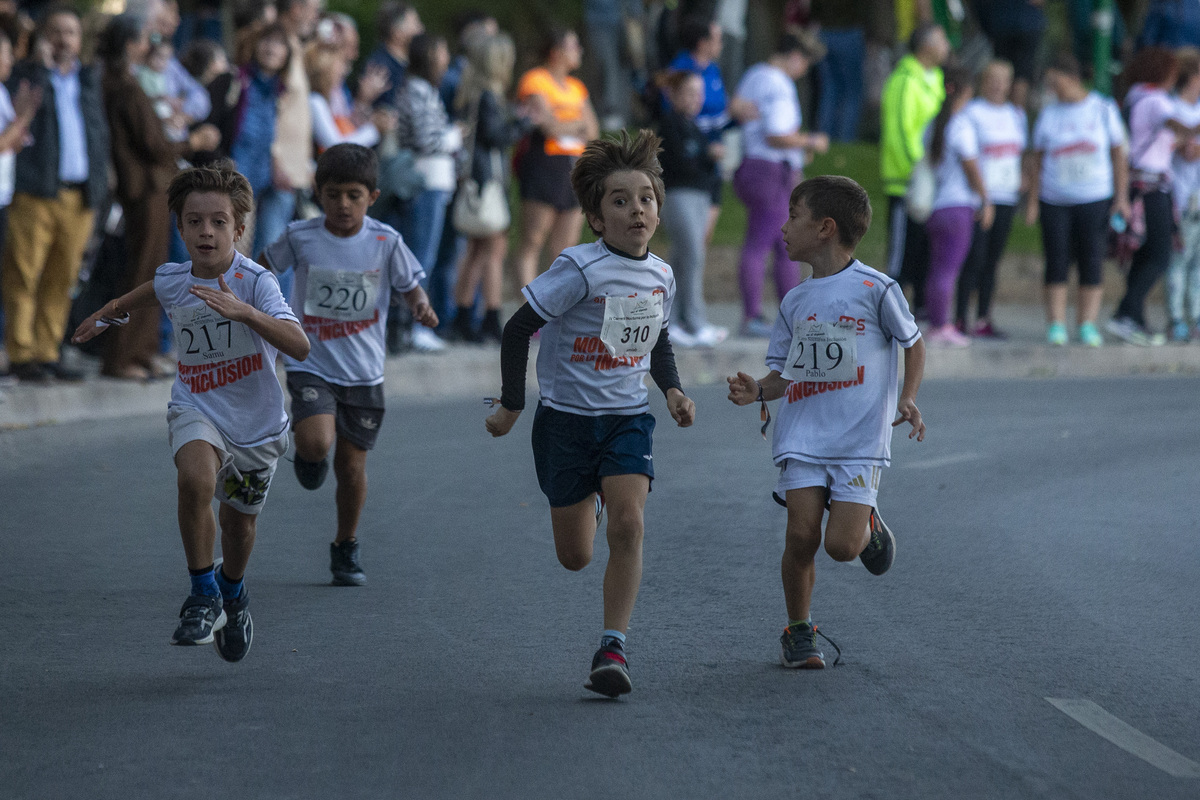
357,410
245,474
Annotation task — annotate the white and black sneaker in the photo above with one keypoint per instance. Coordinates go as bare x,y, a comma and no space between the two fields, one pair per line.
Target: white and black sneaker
343,563
232,641
200,617
880,551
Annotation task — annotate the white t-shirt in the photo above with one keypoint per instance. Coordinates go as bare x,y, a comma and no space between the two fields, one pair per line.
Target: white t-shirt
1076,140
1002,138
576,372
8,159
327,132
1151,143
961,144
848,422
342,289
774,95
240,394
1185,175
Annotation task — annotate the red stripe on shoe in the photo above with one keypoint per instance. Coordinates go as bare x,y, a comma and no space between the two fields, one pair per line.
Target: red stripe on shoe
615,656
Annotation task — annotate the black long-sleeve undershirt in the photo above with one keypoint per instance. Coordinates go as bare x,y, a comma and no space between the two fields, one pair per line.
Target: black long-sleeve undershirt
514,358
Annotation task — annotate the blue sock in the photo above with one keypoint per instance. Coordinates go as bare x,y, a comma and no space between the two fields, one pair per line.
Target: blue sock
204,582
230,590
611,637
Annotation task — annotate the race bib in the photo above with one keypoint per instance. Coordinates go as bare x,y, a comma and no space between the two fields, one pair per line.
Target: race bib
822,352
631,324
202,336
1002,175
1078,169
344,295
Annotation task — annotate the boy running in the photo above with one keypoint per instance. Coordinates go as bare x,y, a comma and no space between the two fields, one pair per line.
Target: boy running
605,307
833,354
347,266
226,419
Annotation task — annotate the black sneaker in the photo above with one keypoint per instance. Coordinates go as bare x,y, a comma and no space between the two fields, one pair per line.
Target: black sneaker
232,642
59,370
610,672
880,551
199,618
799,648
29,372
311,474
343,563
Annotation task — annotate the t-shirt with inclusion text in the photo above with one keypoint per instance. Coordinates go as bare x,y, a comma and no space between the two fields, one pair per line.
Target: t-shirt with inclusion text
849,422
575,372
345,351
240,396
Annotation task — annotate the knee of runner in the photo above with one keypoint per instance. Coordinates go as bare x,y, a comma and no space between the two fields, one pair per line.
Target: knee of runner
196,484
574,560
841,549
625,528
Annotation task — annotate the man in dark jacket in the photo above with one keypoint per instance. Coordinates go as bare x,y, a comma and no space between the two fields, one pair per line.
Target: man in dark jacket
61,177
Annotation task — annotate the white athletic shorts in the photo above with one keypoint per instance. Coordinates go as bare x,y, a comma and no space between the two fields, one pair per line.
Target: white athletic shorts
245,474
851,483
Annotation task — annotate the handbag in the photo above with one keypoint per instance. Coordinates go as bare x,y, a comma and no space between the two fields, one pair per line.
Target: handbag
922,187
482,210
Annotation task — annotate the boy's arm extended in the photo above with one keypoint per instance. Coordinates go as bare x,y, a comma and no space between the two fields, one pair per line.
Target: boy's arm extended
418,304
666,377
141,297
284,335
743,390
914,369
514,359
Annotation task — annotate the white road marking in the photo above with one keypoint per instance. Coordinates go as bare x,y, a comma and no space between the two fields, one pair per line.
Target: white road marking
941,461
1126,737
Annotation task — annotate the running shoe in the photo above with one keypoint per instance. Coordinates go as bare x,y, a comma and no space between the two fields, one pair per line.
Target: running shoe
880,551
681,338
232,642
985,330
1180,332
946,336
311,474
610,672
1089,336
1056,334
426,341
1131,332
199,618
599,507
756,328
799,647
343,563
710,336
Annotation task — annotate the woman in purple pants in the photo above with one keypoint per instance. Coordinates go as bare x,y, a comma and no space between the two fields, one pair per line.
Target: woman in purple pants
961,198
775,151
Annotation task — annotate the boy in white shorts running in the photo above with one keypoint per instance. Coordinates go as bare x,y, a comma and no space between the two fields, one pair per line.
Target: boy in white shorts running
347,267
833,355
605,307
226,419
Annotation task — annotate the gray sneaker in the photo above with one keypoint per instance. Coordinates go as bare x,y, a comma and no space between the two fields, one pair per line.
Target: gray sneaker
232,642
800,648
880,551
343,563
200,617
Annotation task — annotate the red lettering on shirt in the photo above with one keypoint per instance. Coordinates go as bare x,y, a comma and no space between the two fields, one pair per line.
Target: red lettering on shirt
327,329
206,377
1074,147
606,362
798,390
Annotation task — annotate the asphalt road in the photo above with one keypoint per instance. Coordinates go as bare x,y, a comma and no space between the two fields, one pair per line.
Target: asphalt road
1048,548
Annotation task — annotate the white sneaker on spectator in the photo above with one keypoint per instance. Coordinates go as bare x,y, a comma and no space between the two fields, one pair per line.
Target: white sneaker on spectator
681,338
426,341
711,336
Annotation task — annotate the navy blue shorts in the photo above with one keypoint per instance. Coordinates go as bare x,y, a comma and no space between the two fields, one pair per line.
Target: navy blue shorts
572,452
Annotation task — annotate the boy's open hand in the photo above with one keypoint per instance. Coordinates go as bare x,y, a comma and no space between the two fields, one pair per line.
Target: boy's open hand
501,421
743,390
89,329
911,414
682,409
423,313
224,301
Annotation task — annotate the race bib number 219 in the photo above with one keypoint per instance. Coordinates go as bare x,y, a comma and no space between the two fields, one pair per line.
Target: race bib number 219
823,352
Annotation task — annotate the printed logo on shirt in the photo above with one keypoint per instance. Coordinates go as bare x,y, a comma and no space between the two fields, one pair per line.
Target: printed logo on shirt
327,329
590,350
206,377
1001,149
798,390
238,275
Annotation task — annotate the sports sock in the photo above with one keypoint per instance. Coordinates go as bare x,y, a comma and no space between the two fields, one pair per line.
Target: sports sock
612,638
204,583
230,590
792,623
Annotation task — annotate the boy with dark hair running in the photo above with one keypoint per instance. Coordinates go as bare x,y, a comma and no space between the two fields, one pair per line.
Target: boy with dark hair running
227,423
605,307
833,355
347,266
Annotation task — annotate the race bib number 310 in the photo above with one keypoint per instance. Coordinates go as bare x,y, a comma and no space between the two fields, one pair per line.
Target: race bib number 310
631,324
823,352
344,295
202,336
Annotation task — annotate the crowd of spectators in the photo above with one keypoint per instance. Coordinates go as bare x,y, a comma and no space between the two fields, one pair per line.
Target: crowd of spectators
100,111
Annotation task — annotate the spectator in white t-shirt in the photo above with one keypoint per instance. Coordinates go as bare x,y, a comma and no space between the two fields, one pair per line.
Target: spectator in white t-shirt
1077,174
333,120
775,152
1001,128
960,199
1183,277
